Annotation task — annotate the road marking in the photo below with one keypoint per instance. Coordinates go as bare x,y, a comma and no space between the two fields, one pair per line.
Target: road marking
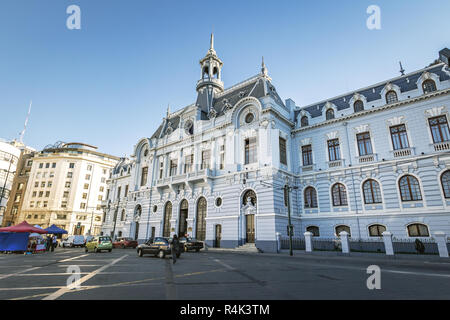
64,290
224,264
14,274
70,259
47,274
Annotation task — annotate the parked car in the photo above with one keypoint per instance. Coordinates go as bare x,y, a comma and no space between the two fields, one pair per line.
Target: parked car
73,241
125,243
190,244
158,246
88,238
98,244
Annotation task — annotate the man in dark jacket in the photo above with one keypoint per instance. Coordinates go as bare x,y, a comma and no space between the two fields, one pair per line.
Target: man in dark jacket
175,245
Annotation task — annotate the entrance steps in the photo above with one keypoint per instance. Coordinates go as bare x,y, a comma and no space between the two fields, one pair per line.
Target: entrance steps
248,247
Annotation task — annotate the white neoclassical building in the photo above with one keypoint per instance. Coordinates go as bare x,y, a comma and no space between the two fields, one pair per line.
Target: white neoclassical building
367,161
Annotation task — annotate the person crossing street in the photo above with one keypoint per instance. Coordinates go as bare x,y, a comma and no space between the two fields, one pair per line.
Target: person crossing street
175,246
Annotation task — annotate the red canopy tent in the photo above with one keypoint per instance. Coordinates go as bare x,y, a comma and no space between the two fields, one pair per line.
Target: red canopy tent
23,227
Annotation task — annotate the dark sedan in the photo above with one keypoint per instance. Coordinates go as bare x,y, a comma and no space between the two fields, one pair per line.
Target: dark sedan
158,246
190,244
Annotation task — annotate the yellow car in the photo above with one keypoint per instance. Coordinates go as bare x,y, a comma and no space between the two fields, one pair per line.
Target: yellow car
98,244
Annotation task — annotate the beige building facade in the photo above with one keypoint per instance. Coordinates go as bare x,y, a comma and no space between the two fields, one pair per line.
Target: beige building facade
66,186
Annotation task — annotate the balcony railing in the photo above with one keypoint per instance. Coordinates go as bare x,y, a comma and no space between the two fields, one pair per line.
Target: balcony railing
308,168
403,152
442,146
367,158
335,163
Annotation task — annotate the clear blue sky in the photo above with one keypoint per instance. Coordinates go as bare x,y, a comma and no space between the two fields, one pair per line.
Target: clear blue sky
109,83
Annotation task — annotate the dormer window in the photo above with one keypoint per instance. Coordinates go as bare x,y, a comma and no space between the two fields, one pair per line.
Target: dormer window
304,121
358,106
391,97
428,86
330,114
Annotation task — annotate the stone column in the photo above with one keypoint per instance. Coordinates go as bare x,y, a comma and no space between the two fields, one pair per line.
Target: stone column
278,236
441,241
388,247
344,242
308,241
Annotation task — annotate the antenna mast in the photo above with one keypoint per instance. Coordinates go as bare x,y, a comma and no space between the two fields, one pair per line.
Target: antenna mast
25,125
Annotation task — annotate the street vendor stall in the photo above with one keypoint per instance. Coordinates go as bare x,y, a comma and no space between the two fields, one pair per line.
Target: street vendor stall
16,238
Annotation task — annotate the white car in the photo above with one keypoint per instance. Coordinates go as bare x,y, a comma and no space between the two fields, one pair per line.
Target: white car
73,241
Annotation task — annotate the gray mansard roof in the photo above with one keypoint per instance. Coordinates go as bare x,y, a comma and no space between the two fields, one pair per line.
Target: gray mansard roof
405,83
253,87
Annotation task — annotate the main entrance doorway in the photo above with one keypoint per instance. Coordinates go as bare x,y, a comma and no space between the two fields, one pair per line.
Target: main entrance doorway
218,236
250,226
182,226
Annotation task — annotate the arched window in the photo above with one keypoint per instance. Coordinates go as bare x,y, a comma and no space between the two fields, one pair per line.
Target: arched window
376,230
200,230
358,106
391,97
372,192
122,216
428,86
445,181
249,194
314,230
304,121
310,198
409,188
167,217
341,228
418,230
330,114
339,195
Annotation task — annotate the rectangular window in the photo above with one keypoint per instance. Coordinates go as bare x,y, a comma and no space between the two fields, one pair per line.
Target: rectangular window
173,167
161,168
364,144
34,194
103,180
188,163
42,184
119,189
52,174
29,163
38,204
66,194
47,165
47,194
100,198
399,137
144,176
334,150
439,129
54,165
67,185
64,204
32,204
41,165
71,165
86,186
88,177
89,168
41,193
307,155
102,189
206,159
283,156
222,157
250,150
49,184
36,184
84,196
45,205
82,205
126,191
69,174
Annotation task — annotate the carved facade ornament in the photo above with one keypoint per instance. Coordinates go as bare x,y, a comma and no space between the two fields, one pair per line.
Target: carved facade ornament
362,128
434,112
212,113
169,129
395,121
306,141
188,126
332,135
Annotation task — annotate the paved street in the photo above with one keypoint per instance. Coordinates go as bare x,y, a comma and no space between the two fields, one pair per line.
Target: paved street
217,275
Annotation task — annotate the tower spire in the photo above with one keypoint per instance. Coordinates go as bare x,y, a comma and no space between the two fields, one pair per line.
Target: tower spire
168,111
402,71
211,45
263,67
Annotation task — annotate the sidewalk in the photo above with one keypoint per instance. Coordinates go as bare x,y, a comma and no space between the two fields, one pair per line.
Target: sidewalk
360,256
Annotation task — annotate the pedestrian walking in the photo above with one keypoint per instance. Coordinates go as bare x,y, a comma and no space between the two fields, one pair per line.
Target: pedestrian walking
48,242
175,245
53,243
